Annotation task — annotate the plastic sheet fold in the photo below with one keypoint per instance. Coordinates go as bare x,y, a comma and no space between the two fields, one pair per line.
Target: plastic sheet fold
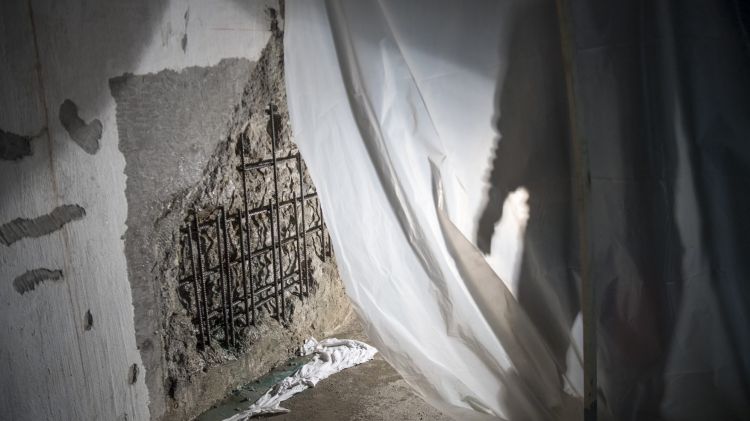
438,134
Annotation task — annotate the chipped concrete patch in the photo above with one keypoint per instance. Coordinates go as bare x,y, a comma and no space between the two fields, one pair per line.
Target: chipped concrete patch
184,40
24,228
14,147
133,374
32,278
88,320
169,124
85,135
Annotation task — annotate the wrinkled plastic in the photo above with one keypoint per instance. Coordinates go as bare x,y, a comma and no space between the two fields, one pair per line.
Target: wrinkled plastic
380,126
438,135
330,356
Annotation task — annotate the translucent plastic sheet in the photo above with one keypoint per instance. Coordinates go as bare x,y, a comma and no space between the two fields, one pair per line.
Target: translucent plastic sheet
438,135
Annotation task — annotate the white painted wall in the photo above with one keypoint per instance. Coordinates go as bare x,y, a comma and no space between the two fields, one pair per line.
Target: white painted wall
50,367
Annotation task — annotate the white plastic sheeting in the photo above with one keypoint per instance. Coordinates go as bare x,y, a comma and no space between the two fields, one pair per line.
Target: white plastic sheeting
398,132
331,356
438,135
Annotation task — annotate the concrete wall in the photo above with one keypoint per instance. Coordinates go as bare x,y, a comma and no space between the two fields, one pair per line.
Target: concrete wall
169,125
67,338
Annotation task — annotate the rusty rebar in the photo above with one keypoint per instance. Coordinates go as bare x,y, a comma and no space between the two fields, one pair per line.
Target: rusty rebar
251,319
224,310
228,275
282,310
304,236
202,277
193,266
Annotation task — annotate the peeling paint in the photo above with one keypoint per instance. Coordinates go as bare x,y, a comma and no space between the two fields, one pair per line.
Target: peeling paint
14,147
31,278
23,228
85,135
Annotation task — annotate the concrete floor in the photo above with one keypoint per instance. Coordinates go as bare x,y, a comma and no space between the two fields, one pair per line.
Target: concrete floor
371,391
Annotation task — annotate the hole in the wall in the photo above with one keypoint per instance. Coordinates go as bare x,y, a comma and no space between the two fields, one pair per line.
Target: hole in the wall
88,320
133,374
254,257
183,162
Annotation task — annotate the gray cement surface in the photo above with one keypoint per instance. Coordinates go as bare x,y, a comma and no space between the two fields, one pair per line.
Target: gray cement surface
167,139
69,344
371,391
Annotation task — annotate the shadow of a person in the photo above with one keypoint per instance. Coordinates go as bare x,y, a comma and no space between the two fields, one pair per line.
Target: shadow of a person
533,153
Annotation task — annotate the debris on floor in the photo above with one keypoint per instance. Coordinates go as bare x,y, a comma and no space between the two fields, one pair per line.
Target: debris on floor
329,357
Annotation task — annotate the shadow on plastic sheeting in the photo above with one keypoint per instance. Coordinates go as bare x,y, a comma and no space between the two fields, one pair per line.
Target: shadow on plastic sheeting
533,153
656,196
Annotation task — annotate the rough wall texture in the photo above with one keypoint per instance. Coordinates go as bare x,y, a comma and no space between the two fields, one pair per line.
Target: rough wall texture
179,133
68,346
169,123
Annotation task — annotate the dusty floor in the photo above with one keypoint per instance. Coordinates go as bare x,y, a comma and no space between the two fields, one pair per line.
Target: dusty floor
371,391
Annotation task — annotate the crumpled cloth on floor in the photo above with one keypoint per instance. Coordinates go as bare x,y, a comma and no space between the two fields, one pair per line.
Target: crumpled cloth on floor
331,356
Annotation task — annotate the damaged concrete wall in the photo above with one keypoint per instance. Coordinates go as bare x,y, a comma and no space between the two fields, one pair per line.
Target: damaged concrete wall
68,335
183,154
169,124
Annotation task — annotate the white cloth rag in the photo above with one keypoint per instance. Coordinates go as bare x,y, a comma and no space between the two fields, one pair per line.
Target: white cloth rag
331,356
